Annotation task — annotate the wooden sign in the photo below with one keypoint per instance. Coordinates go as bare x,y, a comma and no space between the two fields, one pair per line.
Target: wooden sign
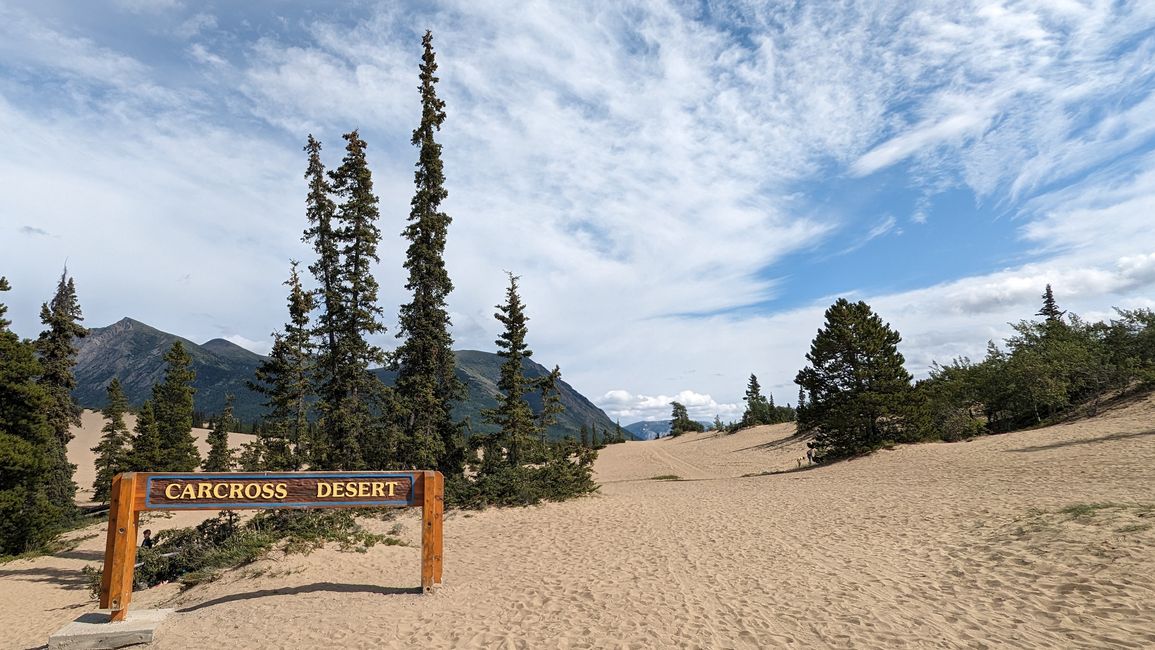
135,492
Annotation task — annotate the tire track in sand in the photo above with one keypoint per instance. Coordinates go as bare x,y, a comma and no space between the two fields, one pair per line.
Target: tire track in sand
691,471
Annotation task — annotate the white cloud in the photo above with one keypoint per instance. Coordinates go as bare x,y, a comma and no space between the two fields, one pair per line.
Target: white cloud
147,6
629,408
951,130
260,347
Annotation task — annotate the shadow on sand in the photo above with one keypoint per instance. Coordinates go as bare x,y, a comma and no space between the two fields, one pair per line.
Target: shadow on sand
1086,441
66,578
304,589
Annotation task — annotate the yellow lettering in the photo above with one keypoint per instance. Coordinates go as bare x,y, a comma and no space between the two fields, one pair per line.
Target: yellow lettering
204,490
168,491
236,491
324,490
220,490
189,491
378,489
282,491
392,487
338,489
266,490
363,489
252,490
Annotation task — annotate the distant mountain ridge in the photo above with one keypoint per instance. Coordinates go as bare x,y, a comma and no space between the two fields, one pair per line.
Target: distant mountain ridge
133,352
648,429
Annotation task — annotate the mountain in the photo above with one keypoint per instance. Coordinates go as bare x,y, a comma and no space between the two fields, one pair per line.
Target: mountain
134,352
648,430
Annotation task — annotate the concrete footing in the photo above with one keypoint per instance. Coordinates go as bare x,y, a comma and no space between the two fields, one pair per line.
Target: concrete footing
95,632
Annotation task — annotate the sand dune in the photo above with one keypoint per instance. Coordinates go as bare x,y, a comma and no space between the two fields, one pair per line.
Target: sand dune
88,435
939,545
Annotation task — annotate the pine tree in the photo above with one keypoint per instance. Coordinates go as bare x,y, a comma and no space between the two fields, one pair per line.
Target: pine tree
320,212
427,384
147,454
172,404
584,436
680,421
513,413
856,382
57,351
348,389
220,457
551,406
718,426
758,411
112,453
27,518
284,442
1050,309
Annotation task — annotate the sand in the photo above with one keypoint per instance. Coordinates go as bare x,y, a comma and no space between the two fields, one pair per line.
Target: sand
939,545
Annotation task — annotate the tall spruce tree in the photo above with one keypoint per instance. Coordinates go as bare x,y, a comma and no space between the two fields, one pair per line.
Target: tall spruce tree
1050,309
172,403
285,441
57,350
758,410
220,456
27,518
427,384
147,454
348,390
112,453
858,388
513,413
320,212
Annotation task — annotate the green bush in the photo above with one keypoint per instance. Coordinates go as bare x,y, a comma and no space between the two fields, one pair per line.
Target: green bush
565,472
199,554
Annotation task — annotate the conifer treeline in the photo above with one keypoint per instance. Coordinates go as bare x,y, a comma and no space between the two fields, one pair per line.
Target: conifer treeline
856,396
327,411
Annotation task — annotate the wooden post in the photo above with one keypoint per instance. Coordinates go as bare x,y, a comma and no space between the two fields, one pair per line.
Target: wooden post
429,528
439,515
120,547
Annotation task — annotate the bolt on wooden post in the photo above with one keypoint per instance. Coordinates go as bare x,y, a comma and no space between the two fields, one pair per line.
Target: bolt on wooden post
133,493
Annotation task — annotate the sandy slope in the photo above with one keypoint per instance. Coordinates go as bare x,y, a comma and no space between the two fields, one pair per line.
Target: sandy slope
937,545
88,435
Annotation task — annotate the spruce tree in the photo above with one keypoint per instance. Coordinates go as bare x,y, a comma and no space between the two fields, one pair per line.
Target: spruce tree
27,518
348,389
147,454
858,388
427,384
57,351
284,441
172,403
513,413
220,456
112,453
1050,309
680,421
758,411
320,212
551,406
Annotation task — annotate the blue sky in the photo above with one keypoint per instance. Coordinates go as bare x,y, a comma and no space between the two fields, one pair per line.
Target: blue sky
684,187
